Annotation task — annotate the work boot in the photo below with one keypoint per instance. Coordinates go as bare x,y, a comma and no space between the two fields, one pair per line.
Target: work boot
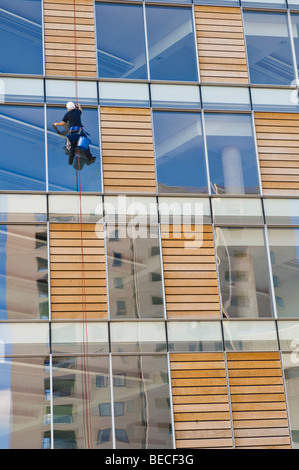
90,160
71,159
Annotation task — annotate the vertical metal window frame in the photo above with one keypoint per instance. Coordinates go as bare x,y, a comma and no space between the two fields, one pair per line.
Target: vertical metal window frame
51,395
43,39
170,393
112,399
289,26
96,42
146,47
196,48
206,152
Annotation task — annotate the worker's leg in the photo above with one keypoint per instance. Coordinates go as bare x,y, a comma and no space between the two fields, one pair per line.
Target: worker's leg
72,151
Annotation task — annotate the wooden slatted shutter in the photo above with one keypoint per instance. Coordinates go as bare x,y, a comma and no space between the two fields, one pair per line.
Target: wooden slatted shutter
128,151
62,48
78,284
221,46
258,400
278,149
190,272
200,400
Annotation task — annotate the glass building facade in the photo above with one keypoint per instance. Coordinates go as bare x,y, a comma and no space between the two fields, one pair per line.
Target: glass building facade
148,299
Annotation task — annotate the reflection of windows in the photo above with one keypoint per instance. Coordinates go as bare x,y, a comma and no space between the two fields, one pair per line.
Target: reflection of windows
157,300
102,381
114,236
63,414
65,440
118,283
105,409
121,307
116,259
156,277
103,435
63,386
120,380
155,250
121,435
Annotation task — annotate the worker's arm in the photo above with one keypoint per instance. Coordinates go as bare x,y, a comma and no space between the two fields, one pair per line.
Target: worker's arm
78,105
62,123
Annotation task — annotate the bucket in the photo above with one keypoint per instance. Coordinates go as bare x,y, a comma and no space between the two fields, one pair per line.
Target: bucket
83,143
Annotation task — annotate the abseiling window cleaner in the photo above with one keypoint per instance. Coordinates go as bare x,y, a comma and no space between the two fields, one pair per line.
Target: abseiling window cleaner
76,134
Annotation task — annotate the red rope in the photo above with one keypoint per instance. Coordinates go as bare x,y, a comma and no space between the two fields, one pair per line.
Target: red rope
85,375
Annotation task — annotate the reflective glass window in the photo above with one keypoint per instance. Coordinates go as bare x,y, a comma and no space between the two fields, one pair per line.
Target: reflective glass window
133,255
21,37
171,42
23,208
291,375
184,210
272,99
231,154
281,211
179,152
142,383
123,94
237,211
288,332
175,96
25,90
138,336
243,272
264,3
295,32
61,91
24,338
75,338
268,48
75,208
250,335
24,403
194,336
23,272
133,209
22,142
284,253
62,175
81,389
220,97
120,41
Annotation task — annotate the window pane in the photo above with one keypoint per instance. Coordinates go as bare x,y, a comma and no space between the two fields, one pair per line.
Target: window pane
288,332
284,251
175,96
250,336
73,208
282,211
243,272
146,422
271,99
171,43
61,91
268,48
22,142
75,338
24,403
23,272
21,37
132,256
134,209
138,337
25,90
217,97
83,384
120,41
231,154
194,336
123,94
23,208
179,152
237,211
24,338
62,175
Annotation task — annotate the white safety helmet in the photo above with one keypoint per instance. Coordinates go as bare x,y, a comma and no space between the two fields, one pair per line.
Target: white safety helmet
70,105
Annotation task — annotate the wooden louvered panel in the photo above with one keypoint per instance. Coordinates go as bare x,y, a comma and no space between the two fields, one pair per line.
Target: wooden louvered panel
221,45
200,400
190,272
127,148
278,148
78,284
258,400
70,38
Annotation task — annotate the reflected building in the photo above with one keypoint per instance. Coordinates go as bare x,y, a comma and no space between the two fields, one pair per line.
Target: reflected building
149,300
